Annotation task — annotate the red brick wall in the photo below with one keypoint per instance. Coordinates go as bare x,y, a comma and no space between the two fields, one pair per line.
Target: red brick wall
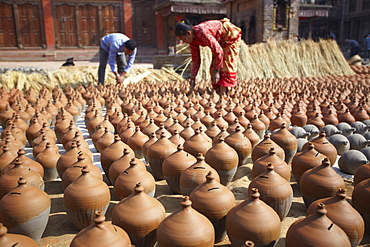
127,17
48,24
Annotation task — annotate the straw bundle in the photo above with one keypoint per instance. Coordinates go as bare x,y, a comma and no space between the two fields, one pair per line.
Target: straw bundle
281,59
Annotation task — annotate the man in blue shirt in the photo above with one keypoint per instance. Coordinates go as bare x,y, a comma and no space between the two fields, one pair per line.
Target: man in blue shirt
113,49
367,46
353,45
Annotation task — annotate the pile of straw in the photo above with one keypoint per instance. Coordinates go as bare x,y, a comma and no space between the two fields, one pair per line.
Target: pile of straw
281,59
80,74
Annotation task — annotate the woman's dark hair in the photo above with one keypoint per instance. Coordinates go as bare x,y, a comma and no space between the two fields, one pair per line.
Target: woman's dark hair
130,44
182,28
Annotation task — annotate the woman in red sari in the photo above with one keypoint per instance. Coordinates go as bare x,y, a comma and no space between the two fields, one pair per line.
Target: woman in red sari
223,38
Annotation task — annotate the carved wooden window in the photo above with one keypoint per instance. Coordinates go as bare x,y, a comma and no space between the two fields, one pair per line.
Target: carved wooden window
281,15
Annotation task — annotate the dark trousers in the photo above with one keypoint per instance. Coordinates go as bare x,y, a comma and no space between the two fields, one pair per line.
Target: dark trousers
103,60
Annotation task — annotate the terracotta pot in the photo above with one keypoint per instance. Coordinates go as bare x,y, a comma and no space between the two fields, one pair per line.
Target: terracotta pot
264,147
174,165
305,160
84,196
104,141
8,239
196,230
6,157
157,152
136,141
25,210
361,202
9,180
48,159
32,130
35,166
258,126
224,159
214,201
274,190
287,141
101,233
316,230
320,182
299,118
323,146
187,132
343,215
126,181
361,174
139,215
152,139
253,220
241,144
113,152
251,135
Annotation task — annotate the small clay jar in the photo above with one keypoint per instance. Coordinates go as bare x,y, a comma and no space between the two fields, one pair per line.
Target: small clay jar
174,165
287,141
214,201
101,234
25,210
85,195
299,118
139,215
195,175
352,160
136,141
316,230
320,182
196,230
224,159
280,166
197,144
251,135
340,142
241,144
264,147
223,133
9,180
113,152
362,173
104,141
35,166
48,159
274,190
322,145
305,160
126,181
258,126
343,215
361,201
213,130
358,141
176,138
6,157
19,240
253,220
32,130
152,139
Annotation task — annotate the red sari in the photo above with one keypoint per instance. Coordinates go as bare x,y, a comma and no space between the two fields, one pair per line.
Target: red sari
224,40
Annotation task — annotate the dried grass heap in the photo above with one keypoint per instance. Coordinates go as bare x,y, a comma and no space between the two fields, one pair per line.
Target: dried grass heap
280,59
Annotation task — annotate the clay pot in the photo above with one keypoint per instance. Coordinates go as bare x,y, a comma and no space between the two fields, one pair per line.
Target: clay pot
6,157
214,201
157,153
362,173
213,130
251,135
136,141
105,140
320,182
174,165
305,160
48,159
323,146
361,202
32,130
316,230
196,230
9,180
343,215
241,144
253,220
258,126
317,121
274,190
264,147
299,118
351,160
25,210
287,141
69,158
312,130
113,152
8,239
195,175
139,215
85,195
358,142
346,129
340,142
35,166
224,159
102,234
126,181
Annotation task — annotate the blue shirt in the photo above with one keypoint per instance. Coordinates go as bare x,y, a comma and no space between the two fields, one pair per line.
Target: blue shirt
113,44
367,42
